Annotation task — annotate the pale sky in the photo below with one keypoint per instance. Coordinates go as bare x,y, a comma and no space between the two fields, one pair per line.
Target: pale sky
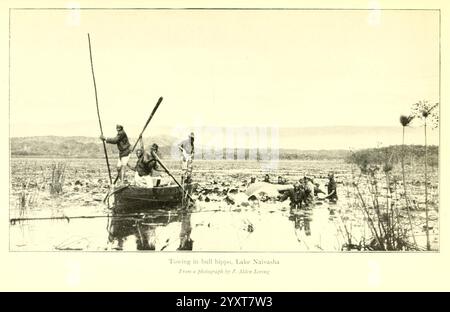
261,68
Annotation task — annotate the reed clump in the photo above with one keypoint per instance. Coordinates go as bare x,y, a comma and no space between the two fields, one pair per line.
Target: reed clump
28,196
57,178
378,196
379,200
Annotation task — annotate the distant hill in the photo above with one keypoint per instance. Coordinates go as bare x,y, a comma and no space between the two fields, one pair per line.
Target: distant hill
91,147
73,147
295,138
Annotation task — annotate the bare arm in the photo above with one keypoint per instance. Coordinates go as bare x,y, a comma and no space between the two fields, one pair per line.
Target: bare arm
332,192
146,157
132,168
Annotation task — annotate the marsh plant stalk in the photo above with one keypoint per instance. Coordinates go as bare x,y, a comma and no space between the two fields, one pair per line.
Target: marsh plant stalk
369,218
374,192
390,234
404,188
426,188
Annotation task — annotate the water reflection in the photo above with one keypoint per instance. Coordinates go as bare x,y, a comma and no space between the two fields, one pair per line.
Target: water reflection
186,243
302,220
155,230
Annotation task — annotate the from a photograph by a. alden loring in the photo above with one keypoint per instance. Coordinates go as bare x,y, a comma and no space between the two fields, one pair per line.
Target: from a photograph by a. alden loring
224,130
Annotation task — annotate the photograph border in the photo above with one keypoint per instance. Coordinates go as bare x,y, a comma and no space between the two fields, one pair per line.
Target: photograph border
220,9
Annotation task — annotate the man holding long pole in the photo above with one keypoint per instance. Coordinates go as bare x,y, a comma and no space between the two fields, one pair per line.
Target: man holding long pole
142,132
123,145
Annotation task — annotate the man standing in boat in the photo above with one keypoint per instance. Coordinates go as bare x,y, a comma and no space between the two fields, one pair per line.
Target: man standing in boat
123,145
142,176
187,149
146,168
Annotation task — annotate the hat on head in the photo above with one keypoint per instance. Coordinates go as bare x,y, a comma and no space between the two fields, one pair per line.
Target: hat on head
119,126
154,146
191,135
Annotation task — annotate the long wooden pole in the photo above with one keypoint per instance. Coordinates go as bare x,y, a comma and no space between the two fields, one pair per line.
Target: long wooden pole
98,111
146,124
168,172
13,221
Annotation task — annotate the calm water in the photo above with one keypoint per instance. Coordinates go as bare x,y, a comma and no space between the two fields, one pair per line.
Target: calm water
271,227
82,222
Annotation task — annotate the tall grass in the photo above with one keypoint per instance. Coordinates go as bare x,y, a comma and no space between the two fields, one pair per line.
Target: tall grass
384,217
28,197
426,186
424,110
57,178
380,209
405,121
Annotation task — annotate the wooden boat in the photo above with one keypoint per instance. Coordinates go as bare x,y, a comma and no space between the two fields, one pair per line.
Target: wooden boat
130,198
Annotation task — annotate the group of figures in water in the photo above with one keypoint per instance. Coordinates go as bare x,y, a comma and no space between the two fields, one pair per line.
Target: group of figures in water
305,191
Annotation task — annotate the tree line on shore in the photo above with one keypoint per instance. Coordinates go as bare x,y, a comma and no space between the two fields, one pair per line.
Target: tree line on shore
84,147
413,154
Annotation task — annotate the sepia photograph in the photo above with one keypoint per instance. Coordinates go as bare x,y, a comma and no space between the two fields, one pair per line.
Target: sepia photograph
231,130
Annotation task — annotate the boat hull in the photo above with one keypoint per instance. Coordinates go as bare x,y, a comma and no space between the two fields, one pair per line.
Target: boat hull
136,199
